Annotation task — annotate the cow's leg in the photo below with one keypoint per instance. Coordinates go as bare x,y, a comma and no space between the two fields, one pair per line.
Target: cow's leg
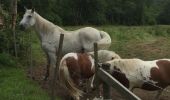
157,97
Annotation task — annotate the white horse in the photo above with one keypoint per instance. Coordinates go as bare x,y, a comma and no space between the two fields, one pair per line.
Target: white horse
79,66
136,73
74,41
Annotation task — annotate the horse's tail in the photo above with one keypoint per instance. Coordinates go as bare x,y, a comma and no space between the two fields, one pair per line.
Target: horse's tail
66,81
105,41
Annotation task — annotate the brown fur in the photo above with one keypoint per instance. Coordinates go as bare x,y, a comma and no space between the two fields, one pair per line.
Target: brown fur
161,75
121,77
81,68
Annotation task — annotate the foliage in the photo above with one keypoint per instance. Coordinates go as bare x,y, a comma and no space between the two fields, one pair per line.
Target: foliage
6,60
164,16
97,12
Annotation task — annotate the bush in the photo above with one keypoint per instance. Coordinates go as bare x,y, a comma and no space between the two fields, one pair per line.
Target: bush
6,60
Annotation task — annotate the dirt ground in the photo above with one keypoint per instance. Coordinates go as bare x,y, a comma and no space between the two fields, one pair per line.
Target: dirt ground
39,71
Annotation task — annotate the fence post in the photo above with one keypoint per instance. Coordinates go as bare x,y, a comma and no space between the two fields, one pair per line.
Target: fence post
53,85
106,87
96,80
96,56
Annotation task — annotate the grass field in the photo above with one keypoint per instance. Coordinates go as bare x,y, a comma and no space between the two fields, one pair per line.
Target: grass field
145,42
14,85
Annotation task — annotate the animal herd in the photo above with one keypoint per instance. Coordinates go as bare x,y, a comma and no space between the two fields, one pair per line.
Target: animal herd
77,61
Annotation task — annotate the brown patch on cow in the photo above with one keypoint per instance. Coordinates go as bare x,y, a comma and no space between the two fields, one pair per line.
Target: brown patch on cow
121,77
164,67
160,75
81,68
155,74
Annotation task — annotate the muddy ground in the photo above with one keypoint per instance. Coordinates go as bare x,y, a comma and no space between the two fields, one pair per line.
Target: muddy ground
39,71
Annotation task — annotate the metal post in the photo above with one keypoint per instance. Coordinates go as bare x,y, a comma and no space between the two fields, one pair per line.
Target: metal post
55,73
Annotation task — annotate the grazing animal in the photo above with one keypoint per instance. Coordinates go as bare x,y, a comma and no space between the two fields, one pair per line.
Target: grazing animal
136,73
78,66
74,41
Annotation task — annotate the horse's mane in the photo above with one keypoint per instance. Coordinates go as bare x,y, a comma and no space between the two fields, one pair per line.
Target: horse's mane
45,25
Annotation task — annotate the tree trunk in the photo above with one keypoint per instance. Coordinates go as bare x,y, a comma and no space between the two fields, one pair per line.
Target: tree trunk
14,17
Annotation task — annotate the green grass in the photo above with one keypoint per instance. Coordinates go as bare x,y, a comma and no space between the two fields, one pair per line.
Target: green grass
14,85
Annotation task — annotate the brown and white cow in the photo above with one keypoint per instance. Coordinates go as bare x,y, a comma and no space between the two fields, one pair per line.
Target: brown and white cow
136,73
78,66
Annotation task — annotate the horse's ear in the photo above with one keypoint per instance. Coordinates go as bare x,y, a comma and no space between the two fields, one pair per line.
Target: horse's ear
25,8
32,10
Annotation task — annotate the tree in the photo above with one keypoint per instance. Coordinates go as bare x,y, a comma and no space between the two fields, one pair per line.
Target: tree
164,16
14,18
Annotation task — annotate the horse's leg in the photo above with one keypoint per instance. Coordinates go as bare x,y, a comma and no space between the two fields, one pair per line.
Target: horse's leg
157,97
87,85
95,85
52,57
47,67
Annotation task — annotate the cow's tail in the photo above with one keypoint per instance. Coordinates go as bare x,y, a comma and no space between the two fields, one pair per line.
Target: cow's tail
66,81
105,41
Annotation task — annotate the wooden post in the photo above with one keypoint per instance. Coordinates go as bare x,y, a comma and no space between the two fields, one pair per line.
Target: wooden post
106,87
96,78
96,56
53,85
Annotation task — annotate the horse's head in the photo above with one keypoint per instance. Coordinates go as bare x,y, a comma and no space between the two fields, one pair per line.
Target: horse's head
105,55
28,19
